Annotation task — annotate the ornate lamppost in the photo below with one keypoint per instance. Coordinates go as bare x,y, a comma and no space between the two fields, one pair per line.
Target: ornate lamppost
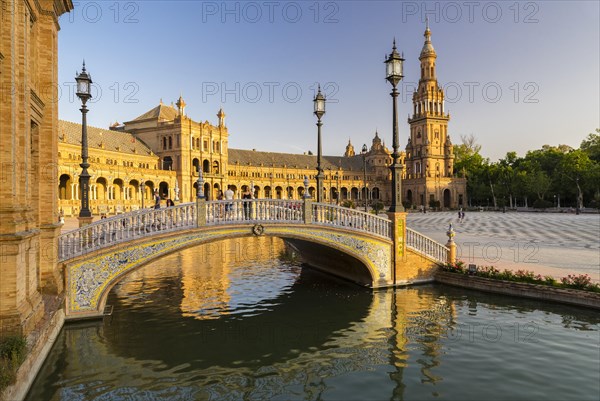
364,156
394,75
337,182
319,102
84,81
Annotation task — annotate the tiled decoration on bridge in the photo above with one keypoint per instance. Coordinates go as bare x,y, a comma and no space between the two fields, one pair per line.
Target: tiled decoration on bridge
87,280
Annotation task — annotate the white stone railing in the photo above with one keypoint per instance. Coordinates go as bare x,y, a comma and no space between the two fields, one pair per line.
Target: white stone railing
125,227
144,223
426,246
351,219
252,211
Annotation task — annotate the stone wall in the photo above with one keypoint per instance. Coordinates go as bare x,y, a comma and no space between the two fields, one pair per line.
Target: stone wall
535,291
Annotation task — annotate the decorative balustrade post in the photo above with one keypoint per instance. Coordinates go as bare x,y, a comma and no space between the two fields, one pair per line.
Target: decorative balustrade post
451,245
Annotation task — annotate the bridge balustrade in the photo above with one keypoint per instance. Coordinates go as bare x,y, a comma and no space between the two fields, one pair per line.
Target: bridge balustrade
125,227
427,246
144,223
351,219
254,211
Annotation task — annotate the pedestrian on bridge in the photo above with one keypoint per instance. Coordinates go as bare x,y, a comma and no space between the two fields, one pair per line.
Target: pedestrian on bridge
156,199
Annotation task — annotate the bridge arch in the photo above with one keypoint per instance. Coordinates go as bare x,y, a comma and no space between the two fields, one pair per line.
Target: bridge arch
90,278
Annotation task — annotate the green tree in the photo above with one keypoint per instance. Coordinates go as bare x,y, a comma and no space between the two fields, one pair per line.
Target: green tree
591,145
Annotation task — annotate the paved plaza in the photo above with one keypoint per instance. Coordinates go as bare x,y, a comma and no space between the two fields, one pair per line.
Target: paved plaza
556,244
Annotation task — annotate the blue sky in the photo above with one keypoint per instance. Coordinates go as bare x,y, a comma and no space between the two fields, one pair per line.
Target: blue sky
517,75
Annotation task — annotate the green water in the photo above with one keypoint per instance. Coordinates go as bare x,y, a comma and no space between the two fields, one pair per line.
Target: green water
235,322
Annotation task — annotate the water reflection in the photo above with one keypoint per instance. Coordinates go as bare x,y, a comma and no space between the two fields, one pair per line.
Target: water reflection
237,320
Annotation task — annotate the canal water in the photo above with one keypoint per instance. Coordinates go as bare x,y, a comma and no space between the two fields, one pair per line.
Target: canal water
240,320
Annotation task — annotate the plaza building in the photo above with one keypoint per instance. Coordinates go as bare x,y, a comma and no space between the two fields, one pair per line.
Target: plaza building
28,142
165,149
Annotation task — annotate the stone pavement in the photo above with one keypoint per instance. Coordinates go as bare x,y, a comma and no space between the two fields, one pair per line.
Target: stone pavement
556,244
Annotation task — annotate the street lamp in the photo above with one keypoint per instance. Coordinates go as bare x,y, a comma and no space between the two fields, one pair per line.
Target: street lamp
394,75
84,81
143,191
319,102
364,155
330,185
337,184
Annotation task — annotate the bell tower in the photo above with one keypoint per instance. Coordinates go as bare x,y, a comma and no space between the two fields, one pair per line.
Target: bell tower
429,179
427,149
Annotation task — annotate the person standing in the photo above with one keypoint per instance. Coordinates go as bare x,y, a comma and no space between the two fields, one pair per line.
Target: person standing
156,199
247,195
228,205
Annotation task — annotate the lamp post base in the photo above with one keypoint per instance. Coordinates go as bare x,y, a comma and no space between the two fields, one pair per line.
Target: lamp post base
84,221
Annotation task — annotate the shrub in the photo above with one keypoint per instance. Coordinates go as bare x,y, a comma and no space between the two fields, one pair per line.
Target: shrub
377,207
458,267
580,282
349,203
12,354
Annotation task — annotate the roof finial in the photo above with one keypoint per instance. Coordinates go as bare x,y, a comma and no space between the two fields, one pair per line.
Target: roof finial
427,22
394,46
83,69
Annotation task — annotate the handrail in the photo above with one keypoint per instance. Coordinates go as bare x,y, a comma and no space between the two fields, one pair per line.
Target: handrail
427,246
351,219
144,223
125,227
252,211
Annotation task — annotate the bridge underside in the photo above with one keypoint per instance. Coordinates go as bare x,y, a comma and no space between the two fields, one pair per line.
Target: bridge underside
332,261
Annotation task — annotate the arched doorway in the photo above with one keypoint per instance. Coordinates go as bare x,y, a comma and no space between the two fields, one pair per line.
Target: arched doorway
447,198
64,187
163,190
409,197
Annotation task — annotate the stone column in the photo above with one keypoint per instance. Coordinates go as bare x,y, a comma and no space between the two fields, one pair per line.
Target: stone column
399,246
307,210
200,212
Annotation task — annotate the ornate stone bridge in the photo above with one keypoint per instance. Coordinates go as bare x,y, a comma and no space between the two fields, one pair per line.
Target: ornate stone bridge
367,249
